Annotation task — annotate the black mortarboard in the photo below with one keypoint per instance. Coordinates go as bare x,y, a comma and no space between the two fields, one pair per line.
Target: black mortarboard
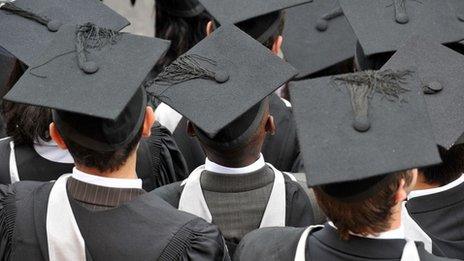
362,126
237,11
440,71
384,25
223,78
85,74
317,36
27,37
181,8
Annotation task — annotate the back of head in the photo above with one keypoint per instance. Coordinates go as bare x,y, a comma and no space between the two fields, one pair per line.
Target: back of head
183,22
448,171
362,207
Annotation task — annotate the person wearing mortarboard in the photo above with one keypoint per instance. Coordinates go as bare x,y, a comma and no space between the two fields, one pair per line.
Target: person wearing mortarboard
362,136
435,209
100,113
264,21
222,86
29,153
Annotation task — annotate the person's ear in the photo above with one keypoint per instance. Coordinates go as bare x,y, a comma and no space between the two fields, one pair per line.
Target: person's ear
148,122
277,46
56,136
190,129
401,194
209,28
270,126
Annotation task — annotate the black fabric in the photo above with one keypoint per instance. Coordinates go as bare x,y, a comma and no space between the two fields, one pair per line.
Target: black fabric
441,216
5,161
281,150
322,244
123,233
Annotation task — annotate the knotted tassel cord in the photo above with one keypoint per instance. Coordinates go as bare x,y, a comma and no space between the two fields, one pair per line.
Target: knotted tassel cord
363,85
323,22
401,15
52,25
88,36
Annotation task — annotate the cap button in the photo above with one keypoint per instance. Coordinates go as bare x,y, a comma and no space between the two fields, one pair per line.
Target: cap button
402,18
432,87
89,67
361,123
321,25
221,76
53,25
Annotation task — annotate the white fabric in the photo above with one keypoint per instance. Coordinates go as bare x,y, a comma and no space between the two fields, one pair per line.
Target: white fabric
287,103
410,252
425,192
300,254
216,168
14,175
106,182
50,151
413,231
65,241
167,116
193,201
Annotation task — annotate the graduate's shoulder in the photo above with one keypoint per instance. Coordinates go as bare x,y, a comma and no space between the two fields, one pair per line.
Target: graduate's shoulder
170,193
426,256
272,243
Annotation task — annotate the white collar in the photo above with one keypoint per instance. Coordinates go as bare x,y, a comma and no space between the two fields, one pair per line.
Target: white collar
106,182
397,233
425,192
216,168
50,151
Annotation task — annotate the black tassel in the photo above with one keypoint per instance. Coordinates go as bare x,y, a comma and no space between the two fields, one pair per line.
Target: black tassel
52,25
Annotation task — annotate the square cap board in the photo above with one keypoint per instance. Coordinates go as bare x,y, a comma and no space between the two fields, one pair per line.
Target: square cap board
317,36
399,137
384,25
27,38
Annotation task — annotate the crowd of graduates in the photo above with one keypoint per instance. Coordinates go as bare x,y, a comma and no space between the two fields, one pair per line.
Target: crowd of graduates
242,130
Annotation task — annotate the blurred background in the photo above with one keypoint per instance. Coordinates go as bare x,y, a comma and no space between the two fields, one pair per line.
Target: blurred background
141,15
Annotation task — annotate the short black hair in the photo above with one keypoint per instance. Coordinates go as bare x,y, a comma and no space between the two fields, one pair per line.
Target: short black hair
106,161
449,170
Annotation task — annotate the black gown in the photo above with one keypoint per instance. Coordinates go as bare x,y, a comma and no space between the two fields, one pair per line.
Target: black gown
322,244
159,162
281,150
441,217
117,234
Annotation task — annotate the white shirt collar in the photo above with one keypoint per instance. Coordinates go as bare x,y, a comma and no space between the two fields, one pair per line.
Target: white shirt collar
50,151
397,233
425,192
216,168
106,182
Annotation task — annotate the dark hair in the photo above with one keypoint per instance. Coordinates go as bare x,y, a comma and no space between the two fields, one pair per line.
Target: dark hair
107,161
449,170
183,32
365,216
255,26
24,123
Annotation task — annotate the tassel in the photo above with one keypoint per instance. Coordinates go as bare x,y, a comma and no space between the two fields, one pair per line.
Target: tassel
52,25
323,22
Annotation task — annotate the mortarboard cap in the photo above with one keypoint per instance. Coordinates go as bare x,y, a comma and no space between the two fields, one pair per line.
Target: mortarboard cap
440,73
26,38
83,74
384,25
180,8
237,11
351,129
317,36
223,78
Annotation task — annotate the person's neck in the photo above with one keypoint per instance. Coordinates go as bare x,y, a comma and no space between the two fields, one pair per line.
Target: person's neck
126,171
234,162
395,219
422,184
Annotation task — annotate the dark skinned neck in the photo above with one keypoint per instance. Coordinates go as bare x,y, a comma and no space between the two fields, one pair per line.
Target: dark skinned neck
233,162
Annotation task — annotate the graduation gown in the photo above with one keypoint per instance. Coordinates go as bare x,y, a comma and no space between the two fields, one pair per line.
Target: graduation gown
441,217
322,243
145,228
159,162
298,210
281,150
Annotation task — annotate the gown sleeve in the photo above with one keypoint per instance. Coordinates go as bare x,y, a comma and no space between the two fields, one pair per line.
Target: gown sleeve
172,166
170,193
7,221
197,240
298,206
